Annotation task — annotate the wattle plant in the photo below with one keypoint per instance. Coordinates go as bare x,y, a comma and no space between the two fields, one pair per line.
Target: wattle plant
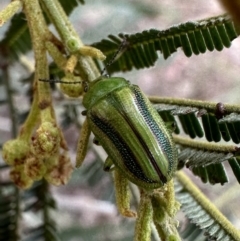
143,137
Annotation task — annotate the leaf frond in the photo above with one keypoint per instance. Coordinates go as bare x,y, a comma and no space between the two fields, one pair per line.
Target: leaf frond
202,212
196,38
215,125
35,200
17,38
8,211
38,200
213,122
192,232
206,163
202,153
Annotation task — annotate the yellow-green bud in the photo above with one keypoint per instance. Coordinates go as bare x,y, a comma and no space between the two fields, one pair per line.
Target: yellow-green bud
18,176
15,152
72,90
51,161
35,168
60,173
47,140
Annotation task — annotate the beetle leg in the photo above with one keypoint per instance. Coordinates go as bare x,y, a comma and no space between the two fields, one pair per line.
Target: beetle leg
108,165
84,112
96,142
172,205
122,194
83,143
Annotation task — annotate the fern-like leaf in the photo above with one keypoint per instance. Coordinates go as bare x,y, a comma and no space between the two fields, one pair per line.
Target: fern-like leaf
235,165
192,232
38,200
193,37
202,212
206,160
214,125
214,121
17,38
8,211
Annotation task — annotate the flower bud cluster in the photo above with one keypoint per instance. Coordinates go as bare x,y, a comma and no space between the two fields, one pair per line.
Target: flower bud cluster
40,158
72,89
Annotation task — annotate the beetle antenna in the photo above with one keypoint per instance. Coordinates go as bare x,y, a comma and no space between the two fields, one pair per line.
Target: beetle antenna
59,81
116,55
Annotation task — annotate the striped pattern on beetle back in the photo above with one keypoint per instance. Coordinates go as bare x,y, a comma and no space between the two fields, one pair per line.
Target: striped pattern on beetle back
125,152
164,143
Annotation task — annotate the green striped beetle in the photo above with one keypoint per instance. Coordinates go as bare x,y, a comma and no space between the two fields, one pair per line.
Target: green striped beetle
130,130
140,147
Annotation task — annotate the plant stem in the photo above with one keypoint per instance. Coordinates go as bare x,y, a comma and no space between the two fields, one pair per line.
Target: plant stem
30,123
39,34
209,106
57,56
70,38
9,11
64,27
203,145
144,218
